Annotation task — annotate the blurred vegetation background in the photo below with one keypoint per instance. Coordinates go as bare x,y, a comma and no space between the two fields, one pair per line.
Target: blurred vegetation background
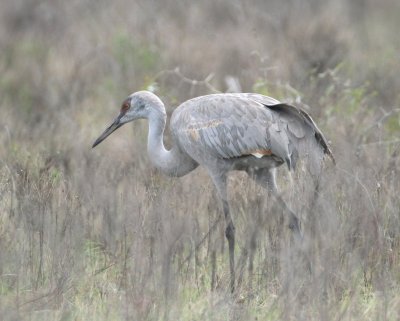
100,235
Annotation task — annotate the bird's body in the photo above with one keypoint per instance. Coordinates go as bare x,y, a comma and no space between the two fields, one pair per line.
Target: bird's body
231,130
224,132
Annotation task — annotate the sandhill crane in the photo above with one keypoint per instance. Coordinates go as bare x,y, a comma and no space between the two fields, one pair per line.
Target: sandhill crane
224,132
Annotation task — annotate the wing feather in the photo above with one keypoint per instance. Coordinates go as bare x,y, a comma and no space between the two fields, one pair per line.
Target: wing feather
234,125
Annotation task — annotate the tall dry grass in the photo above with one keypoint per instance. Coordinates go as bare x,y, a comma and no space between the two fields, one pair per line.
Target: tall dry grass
100,235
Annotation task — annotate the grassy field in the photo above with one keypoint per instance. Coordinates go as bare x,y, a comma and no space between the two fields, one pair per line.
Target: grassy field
101,235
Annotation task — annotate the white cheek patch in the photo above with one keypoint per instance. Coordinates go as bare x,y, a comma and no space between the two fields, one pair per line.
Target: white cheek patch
124,119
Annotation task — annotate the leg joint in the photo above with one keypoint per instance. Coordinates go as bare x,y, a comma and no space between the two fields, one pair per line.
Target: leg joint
230,231
294,223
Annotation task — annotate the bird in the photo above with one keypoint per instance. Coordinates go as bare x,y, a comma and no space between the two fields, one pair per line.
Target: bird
227,132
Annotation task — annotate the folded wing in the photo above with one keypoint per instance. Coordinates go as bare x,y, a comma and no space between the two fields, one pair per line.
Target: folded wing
236,125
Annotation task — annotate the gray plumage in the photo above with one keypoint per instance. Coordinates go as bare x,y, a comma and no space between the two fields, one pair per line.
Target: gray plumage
225,132
230,126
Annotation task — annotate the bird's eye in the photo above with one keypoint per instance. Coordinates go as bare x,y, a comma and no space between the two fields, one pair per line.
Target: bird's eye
124,107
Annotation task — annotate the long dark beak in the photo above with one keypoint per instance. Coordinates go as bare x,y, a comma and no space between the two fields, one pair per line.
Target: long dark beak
114,126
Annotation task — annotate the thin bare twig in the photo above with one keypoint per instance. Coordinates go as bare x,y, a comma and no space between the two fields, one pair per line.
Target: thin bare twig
197,246
193,82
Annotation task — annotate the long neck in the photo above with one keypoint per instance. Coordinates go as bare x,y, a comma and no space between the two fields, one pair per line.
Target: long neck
171,162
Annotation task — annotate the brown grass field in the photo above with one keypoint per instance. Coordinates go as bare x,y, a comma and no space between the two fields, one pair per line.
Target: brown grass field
101,235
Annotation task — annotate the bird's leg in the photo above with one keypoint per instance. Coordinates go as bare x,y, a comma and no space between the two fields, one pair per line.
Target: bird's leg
294,223
221,185
266,178
312,207
230,235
